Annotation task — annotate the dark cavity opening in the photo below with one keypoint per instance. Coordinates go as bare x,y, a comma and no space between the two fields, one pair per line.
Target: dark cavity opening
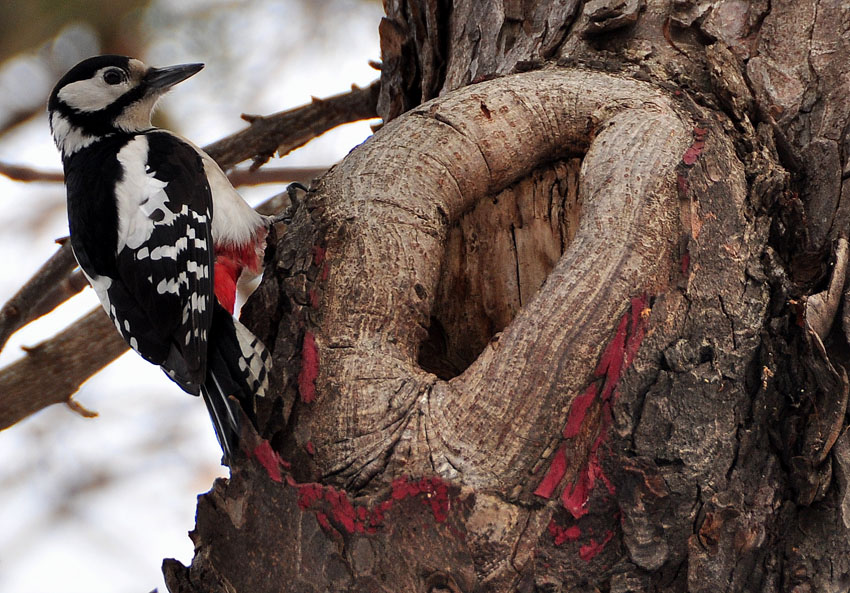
497,257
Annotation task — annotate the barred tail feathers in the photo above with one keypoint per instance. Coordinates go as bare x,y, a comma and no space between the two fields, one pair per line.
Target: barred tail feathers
238,367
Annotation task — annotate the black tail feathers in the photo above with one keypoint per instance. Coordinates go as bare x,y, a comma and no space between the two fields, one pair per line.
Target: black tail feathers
225,414
238,368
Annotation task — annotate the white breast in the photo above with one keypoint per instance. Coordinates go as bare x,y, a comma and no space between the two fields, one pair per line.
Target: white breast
234,221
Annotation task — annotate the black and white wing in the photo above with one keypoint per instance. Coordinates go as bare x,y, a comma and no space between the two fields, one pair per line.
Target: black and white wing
159,291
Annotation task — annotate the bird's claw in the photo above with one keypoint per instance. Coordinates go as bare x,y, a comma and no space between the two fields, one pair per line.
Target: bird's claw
294,201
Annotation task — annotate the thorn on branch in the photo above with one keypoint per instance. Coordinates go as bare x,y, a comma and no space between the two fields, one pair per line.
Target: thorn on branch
28,174
288,130
259,160
78,408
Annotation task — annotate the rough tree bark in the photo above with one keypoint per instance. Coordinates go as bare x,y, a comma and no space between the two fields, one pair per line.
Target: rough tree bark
566,322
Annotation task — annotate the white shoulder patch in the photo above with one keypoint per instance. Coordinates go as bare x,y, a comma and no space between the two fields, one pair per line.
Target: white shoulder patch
138,195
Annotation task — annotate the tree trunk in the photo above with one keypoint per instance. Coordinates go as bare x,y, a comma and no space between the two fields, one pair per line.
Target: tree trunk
567,321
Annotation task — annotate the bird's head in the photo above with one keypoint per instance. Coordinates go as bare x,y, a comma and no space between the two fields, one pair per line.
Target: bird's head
108,94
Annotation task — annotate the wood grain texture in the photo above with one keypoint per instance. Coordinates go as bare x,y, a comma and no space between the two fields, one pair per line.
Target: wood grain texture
453,153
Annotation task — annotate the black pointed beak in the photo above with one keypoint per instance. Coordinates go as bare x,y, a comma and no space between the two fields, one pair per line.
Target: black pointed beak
165,78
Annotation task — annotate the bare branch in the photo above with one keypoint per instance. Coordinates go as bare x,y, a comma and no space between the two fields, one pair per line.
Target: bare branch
18,117
28,174
281,132
52,285
241,177
52,371
238,177
285,131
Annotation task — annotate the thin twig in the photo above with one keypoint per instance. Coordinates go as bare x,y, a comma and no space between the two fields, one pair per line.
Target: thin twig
285,131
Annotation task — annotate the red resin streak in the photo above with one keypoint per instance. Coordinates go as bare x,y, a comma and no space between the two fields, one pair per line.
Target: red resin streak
575,498
640,323
692,154
611,363
686,263
554,474
590,550
562,535
615,358
578,410
337,507
270,460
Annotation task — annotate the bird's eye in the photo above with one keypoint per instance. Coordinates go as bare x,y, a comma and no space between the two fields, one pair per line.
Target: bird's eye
113,77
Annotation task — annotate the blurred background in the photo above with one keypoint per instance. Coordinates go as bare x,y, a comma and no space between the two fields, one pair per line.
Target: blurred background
90,505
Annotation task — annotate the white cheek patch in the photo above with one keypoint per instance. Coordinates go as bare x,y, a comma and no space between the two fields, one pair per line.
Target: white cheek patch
92,94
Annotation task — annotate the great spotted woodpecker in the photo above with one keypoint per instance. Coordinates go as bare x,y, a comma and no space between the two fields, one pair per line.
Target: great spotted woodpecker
160,233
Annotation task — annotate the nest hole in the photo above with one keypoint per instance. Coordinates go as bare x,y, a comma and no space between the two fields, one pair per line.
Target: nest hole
497,256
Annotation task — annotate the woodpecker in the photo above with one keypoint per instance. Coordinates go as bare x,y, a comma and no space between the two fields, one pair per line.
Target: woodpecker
160,233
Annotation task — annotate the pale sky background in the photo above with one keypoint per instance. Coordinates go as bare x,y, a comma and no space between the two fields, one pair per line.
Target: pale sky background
94,505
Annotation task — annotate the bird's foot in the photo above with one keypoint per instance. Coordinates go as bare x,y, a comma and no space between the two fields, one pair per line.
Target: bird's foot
294,201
